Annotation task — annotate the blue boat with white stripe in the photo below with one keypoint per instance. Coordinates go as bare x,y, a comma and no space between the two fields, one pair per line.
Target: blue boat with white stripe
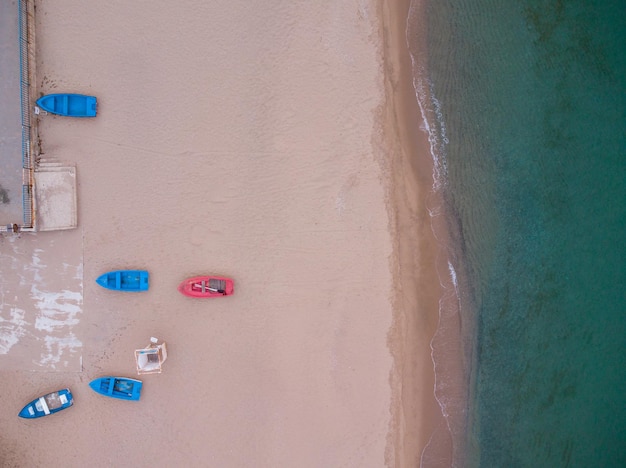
48,404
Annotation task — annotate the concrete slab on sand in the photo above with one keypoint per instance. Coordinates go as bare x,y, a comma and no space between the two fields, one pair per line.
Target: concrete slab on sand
55,199
41,302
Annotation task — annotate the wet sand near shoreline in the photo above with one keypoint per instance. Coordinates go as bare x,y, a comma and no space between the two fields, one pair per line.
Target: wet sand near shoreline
252,143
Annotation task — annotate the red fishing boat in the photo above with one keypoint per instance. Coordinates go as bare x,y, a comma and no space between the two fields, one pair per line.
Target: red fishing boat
207,286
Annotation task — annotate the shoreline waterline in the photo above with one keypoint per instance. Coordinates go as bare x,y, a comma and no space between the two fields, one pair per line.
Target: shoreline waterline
451,346
428,351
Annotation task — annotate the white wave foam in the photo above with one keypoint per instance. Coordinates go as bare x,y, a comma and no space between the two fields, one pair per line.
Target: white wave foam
453,278
432,123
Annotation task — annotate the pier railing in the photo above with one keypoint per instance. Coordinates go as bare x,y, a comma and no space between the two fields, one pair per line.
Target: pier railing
26,29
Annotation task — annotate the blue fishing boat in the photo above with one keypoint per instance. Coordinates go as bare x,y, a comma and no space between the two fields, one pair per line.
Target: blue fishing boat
48,404
124,280
69,105
117,387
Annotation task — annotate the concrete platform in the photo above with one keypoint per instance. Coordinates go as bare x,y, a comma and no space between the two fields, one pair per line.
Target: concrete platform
55,199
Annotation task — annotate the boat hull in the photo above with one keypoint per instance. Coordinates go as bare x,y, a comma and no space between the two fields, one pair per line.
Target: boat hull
69,105
47,404
121,388
125,280
207,286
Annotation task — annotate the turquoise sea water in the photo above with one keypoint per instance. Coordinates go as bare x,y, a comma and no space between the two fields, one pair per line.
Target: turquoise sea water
528,131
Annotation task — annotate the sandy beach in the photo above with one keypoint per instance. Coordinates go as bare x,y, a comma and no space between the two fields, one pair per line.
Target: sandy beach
268,143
